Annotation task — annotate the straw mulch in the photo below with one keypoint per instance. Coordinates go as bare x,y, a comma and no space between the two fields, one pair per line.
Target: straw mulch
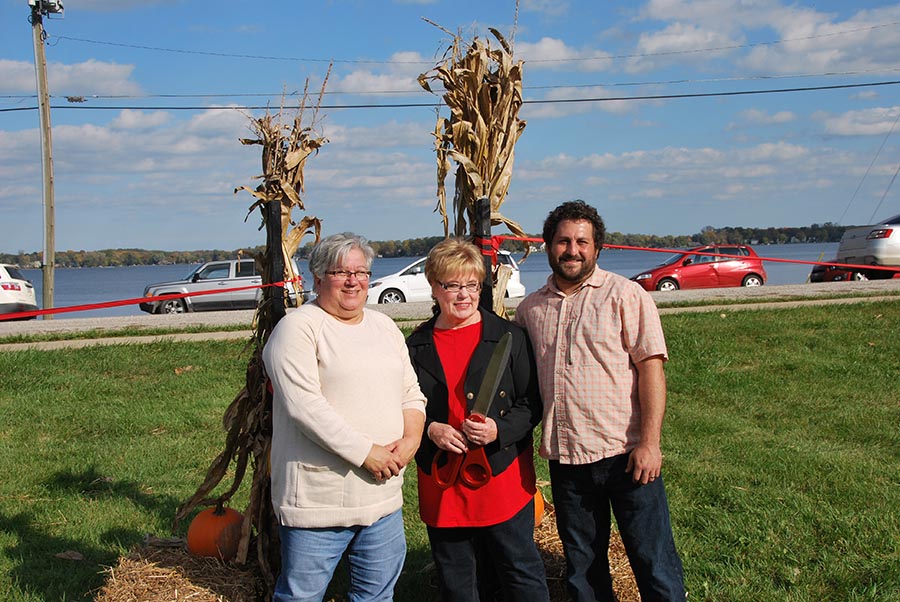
163,570
555,564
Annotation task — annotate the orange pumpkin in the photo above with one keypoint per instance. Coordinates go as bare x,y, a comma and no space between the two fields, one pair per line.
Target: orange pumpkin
538,508
215,532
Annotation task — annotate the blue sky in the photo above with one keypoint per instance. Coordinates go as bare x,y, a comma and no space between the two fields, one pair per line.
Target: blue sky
133,169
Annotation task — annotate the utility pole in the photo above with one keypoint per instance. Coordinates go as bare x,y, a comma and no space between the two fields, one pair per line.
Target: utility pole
39,8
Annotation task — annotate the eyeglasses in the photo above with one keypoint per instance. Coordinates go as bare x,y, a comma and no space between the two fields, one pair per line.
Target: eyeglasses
455,287
361,275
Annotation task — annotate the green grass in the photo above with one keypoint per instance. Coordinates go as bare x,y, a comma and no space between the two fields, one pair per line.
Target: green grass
782,444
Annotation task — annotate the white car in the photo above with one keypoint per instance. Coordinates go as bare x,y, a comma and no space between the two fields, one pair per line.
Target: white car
878,244
16,292
409,285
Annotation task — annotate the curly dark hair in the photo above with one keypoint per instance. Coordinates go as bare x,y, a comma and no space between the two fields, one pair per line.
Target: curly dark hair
575,210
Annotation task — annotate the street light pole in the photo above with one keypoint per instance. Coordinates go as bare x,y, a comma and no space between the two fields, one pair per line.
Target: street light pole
48,265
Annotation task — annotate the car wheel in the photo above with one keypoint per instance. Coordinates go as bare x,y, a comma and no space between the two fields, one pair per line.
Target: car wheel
667,284
858,276
172,306
752,280
392,295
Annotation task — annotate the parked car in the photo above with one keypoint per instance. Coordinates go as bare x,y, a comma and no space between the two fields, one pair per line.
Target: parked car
16,291
741,267
212,276
409,285
878,244
833,273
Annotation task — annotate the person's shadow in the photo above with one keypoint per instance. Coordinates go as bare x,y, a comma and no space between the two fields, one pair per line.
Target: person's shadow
49,566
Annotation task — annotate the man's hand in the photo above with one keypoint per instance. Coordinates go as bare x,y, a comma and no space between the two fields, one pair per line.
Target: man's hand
644,463
381,463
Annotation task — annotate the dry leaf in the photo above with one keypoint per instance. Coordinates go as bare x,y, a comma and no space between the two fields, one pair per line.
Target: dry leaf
70,555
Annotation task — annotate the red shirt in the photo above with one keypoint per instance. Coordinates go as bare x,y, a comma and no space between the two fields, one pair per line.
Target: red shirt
505,494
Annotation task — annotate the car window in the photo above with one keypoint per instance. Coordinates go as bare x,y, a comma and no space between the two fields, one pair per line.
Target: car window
217,271
738,251
703,258
14,273
892,221
418,268
245,269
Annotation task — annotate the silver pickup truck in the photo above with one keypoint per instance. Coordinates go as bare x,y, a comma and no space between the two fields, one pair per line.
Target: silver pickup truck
878,244
214,276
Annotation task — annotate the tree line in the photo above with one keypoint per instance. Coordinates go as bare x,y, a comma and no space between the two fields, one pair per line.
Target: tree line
417,247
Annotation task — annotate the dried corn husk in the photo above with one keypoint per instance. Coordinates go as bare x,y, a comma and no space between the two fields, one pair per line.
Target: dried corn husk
483,90
247,421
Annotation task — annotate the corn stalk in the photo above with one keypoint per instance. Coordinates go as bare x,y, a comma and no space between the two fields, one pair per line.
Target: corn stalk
483,90
248,419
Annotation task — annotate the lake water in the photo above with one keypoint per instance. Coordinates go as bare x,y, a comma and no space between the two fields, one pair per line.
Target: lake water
82,286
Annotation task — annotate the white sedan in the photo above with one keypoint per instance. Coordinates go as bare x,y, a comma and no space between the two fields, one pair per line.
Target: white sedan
16,291
409,285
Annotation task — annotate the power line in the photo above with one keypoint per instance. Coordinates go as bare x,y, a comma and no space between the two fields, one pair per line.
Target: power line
81,98
434,104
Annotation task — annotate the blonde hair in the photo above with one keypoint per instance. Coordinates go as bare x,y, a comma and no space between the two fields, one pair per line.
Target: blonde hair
451,257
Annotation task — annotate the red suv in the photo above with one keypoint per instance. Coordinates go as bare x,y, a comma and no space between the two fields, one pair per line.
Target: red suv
706,267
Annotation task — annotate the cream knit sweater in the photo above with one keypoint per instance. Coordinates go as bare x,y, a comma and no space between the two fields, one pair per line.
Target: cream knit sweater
338,388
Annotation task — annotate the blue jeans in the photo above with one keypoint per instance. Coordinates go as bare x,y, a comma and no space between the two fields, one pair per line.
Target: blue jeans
583,495
472,562
309,557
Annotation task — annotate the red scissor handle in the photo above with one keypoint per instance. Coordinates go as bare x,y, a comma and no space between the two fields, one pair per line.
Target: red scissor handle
472,467
445,468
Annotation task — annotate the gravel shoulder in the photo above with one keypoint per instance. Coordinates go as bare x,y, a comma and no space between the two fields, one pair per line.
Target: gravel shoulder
712,300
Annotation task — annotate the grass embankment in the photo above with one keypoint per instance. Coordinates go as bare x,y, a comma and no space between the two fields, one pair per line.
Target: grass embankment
781,442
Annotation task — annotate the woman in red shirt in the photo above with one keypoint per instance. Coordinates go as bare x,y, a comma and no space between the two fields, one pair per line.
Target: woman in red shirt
489,527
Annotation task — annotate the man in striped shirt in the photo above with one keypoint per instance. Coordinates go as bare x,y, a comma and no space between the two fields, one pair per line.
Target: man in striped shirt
600,351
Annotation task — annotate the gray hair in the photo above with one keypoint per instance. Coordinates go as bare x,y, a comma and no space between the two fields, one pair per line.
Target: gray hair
332,250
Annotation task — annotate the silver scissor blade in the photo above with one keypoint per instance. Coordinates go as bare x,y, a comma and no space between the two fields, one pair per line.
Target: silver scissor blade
492,375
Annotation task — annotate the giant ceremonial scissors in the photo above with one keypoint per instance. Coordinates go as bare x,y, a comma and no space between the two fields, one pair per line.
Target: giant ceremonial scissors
471,468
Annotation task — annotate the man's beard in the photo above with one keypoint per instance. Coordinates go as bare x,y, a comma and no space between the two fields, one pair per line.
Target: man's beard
586,268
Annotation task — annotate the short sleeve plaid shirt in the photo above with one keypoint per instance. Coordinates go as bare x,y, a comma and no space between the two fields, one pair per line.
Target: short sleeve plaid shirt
586,345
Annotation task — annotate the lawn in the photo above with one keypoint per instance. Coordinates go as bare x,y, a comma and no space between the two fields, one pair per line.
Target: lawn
782,443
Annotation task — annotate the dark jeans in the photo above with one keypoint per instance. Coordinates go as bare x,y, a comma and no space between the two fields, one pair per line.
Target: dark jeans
466,556
583,495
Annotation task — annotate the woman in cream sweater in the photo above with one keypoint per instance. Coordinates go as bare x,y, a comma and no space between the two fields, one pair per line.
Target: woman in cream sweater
347,417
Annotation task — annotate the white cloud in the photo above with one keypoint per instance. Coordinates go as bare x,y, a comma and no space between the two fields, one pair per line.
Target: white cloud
868,122
553,53
17,77
564,109
758,116
398,75
676,44
725,15
812,42
139,120
803,39
383,135
552,8
91,77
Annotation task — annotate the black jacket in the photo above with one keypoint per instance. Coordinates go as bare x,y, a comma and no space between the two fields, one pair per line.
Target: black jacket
517,406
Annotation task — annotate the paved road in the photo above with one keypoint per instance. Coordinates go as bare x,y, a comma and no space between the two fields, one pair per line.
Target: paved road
716,300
